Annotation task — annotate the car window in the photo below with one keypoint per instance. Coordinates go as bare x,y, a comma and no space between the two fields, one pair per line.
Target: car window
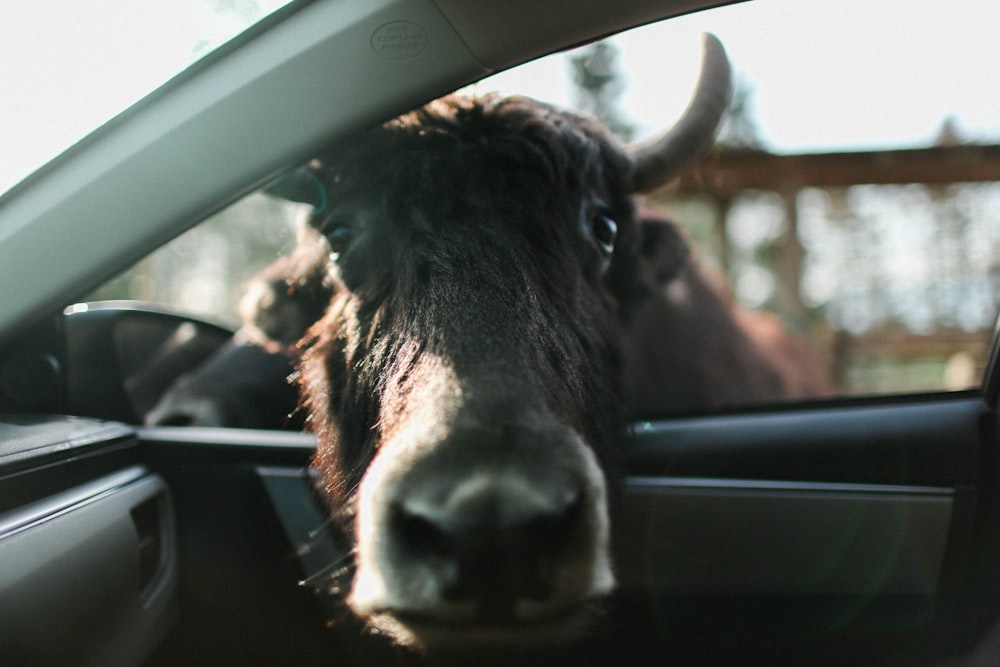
69,67
205,271
852,194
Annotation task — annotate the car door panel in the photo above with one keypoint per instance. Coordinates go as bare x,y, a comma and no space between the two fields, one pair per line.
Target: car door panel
714,537
926,441
87,545
812,535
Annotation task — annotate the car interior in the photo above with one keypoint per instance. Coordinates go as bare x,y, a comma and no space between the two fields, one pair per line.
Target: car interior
850,530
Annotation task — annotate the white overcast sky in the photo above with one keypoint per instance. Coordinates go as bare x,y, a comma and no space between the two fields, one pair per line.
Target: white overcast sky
826,74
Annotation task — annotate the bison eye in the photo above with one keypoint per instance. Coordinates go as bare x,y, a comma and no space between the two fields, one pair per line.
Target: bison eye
604,231
338,237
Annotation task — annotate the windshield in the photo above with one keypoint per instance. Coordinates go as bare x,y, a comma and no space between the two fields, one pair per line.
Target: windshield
68,67
891,276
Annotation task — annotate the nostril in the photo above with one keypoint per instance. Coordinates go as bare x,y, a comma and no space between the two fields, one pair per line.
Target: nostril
491,547
550,530
420,534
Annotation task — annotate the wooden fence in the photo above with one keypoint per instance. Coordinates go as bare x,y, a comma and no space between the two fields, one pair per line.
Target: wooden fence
723,175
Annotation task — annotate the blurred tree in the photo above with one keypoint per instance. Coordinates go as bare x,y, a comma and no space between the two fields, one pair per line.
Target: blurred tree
248,10
739,125
599,85
739,131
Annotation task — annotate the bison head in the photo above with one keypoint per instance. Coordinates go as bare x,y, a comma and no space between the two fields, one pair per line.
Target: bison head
464,379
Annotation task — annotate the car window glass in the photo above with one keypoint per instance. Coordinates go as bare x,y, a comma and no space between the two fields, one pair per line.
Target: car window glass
69,67
205,271
851,195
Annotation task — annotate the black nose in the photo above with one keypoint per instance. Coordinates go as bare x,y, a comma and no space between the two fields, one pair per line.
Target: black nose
492,546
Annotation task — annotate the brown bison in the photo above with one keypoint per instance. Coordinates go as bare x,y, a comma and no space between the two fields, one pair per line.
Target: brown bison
474,311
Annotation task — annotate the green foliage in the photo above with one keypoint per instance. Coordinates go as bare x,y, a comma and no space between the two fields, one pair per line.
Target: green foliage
598,86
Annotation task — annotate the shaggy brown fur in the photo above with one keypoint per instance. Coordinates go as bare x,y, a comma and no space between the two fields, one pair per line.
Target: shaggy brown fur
465,244
466,220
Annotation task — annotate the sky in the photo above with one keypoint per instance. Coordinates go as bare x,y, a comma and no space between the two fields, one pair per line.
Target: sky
69,66
850,74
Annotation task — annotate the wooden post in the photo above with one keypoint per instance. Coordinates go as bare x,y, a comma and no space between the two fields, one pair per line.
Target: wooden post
720,227
788,266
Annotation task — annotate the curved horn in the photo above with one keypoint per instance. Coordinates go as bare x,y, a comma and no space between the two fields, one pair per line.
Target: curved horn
659,159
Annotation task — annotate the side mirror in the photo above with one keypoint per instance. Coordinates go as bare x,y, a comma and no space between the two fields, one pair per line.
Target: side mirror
122,356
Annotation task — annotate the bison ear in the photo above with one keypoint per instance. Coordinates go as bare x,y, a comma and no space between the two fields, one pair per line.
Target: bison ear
274,316
300,185
663,250
288,297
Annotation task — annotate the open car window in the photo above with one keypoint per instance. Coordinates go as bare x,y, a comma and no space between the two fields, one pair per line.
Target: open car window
852,195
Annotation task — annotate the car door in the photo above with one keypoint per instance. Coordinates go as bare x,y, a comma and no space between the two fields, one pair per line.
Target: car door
848,531
842,533
88,541
126,546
